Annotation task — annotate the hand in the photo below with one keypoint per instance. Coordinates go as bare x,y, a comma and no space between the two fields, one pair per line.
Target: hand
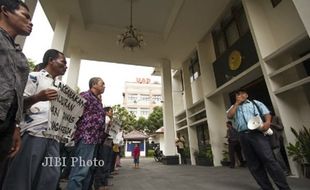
46,95
265,126
16,142
239,100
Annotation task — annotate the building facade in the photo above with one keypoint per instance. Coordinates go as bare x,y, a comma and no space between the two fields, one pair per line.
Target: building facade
213,48
251,46
142,96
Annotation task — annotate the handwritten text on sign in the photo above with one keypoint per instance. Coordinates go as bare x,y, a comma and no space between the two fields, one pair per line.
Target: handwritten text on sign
65,111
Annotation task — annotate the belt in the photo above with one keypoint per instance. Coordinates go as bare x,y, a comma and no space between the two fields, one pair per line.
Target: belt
249,131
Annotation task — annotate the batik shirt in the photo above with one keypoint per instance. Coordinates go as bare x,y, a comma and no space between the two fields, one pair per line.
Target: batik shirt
13,75
245,112
90,126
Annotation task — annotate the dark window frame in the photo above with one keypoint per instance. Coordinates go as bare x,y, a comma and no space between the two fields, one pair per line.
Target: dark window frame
275,2
236,14
194,62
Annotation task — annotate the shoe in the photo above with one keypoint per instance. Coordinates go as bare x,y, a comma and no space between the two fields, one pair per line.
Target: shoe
287,173
232,167
103,188
110,176
243,164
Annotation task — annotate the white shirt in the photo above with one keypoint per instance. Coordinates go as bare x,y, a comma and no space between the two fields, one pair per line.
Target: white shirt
38,113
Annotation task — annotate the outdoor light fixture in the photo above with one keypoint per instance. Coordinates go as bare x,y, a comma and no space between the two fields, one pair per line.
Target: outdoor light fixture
131,38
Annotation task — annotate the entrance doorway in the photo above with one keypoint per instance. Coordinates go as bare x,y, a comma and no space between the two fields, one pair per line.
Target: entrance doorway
257,90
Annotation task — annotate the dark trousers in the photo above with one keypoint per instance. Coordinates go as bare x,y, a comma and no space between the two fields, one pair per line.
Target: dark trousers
102,173
7,128
235,148
182,153
113,160
259,156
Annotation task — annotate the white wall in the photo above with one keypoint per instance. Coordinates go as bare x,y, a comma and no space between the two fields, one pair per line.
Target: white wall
197,91
273,27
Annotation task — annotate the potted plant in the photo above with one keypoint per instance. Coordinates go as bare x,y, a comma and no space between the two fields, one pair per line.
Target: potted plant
225,161
300,151
187,155
204,156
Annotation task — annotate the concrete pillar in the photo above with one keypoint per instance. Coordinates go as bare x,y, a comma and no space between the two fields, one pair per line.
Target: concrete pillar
169,134
74,69
215,105
302,7
32,6
60,33
192,133
187,85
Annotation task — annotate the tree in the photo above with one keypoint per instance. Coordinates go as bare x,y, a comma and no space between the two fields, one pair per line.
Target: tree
155,120
127,119
142,124
31,64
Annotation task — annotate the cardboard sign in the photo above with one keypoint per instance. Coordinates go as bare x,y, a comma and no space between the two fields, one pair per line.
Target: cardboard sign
65,111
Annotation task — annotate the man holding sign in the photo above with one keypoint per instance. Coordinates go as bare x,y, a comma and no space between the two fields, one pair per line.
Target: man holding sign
27,170
88,135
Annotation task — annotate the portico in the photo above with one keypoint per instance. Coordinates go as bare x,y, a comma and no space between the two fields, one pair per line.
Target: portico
185,40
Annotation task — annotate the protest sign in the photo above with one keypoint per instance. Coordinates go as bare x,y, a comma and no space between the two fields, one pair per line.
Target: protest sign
64,112
114,128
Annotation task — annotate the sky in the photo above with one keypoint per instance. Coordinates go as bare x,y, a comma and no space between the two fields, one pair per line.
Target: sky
113,74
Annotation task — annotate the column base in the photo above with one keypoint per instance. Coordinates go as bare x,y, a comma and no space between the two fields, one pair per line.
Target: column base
170,160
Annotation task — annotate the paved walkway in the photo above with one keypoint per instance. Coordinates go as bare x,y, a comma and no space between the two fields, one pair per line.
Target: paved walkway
156,176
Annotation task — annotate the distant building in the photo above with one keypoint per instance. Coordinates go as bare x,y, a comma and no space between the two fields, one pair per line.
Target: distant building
132,138
142,96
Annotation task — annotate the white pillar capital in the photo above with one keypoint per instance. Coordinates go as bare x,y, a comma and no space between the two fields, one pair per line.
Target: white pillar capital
61,31
74,69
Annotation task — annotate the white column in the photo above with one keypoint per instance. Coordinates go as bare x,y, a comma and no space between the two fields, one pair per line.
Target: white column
32,6
192,133
61,32
169,134
302,7
74,69
215,106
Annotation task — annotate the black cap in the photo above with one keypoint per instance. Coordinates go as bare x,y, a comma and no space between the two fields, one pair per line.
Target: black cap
240,90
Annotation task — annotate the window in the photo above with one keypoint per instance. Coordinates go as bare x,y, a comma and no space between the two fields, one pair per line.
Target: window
194,68
132,110
145,99
230,30
144,112
231,33
132,98
156,99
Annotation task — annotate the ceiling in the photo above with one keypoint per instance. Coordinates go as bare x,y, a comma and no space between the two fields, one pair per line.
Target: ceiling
171,28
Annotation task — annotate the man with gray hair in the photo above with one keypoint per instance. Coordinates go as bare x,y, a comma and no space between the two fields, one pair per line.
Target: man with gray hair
88,134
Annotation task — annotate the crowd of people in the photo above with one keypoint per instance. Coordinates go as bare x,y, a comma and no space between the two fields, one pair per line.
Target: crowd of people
24,116
29,159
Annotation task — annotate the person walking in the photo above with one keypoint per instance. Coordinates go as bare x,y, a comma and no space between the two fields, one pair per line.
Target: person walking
27,171
255,145
88,134
233,145
14,20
